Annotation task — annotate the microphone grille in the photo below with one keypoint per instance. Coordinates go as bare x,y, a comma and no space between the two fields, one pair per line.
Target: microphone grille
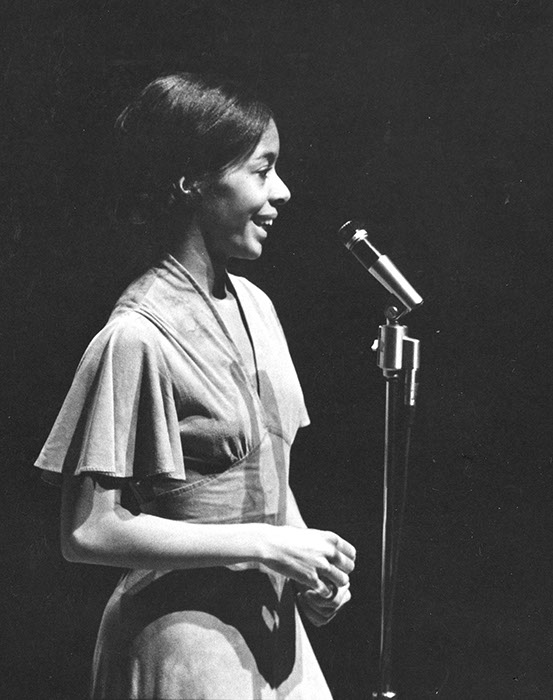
351,230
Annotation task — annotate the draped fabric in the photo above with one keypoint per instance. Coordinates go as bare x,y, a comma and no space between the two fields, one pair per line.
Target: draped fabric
163,400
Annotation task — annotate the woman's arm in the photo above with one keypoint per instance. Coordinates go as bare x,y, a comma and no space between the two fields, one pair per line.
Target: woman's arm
97,529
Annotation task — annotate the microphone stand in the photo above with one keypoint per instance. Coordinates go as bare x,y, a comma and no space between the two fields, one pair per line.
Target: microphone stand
399,359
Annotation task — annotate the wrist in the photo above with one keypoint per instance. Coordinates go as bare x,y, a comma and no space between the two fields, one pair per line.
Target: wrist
260,542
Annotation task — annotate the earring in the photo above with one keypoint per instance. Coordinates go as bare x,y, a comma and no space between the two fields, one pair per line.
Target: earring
189,191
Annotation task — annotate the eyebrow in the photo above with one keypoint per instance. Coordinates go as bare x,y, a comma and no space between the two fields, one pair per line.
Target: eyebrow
269,156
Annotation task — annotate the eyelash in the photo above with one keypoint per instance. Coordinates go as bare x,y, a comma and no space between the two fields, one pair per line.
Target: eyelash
264,173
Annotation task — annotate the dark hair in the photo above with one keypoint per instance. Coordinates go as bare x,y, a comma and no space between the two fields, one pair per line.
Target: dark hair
184,125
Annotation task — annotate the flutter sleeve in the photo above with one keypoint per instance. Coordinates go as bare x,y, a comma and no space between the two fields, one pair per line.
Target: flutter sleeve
119,417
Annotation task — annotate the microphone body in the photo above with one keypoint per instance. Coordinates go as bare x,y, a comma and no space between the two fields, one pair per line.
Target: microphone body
355,238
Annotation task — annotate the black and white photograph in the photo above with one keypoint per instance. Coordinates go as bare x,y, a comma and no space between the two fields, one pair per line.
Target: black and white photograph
276,334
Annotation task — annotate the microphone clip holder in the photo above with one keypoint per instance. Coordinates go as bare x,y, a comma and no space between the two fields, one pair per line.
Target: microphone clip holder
397,353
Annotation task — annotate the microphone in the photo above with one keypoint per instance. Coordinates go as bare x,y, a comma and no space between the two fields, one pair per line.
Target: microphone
354,236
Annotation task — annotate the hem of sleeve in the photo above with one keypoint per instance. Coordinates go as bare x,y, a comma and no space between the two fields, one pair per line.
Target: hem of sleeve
52,475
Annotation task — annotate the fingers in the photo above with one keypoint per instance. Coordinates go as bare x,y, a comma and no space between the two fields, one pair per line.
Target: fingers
334,572
332,589
329,578
325,588
345,548
319,611
344,553
316,559
316,618
330,601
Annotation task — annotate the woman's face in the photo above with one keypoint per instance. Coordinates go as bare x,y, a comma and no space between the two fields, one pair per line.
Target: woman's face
236,211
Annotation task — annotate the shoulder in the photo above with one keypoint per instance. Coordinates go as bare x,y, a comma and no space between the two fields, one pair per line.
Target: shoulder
127,336
130,328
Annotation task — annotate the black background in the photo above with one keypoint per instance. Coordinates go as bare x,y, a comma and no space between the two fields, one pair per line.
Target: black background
432,119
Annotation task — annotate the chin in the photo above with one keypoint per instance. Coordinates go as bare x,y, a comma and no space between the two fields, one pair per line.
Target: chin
252,252
251,255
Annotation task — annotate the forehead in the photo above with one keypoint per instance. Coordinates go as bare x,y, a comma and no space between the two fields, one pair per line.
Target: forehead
265,153
269,144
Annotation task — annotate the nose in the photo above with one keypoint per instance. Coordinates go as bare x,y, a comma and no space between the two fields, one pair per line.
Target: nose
280,194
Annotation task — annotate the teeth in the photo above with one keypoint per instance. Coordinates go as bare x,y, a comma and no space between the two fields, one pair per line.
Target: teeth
264,222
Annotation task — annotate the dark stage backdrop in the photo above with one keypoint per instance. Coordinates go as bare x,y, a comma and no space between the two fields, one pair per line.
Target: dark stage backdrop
433,120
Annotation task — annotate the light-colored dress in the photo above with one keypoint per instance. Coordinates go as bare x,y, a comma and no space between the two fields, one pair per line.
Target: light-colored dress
163,399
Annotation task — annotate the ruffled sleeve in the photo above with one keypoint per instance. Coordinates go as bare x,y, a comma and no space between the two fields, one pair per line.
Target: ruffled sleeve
119,417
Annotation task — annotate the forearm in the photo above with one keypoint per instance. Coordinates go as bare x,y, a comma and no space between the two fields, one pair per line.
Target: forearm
96,529
149,542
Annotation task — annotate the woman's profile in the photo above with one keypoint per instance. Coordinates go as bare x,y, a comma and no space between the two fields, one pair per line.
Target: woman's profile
173,443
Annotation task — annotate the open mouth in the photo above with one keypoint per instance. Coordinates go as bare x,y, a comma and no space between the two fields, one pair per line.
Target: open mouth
263,222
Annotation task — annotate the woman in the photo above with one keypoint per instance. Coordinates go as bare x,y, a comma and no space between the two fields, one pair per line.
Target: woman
174,439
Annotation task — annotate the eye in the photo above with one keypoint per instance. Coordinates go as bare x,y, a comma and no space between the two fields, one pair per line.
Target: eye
264,173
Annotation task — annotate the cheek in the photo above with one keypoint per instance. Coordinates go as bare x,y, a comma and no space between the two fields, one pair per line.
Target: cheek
238,208
234,201
225,215
216,207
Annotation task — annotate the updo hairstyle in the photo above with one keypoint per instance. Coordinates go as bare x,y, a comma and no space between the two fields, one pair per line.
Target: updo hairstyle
183,129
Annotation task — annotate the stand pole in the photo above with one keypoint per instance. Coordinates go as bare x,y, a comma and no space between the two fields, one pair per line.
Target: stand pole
398,357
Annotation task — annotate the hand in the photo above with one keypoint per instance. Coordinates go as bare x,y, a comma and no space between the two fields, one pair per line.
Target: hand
309,557
322,609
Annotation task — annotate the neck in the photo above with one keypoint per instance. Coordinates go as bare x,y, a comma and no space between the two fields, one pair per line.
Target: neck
190,250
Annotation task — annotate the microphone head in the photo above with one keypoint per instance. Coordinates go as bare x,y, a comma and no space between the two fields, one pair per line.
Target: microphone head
354,231
349,229
354,236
